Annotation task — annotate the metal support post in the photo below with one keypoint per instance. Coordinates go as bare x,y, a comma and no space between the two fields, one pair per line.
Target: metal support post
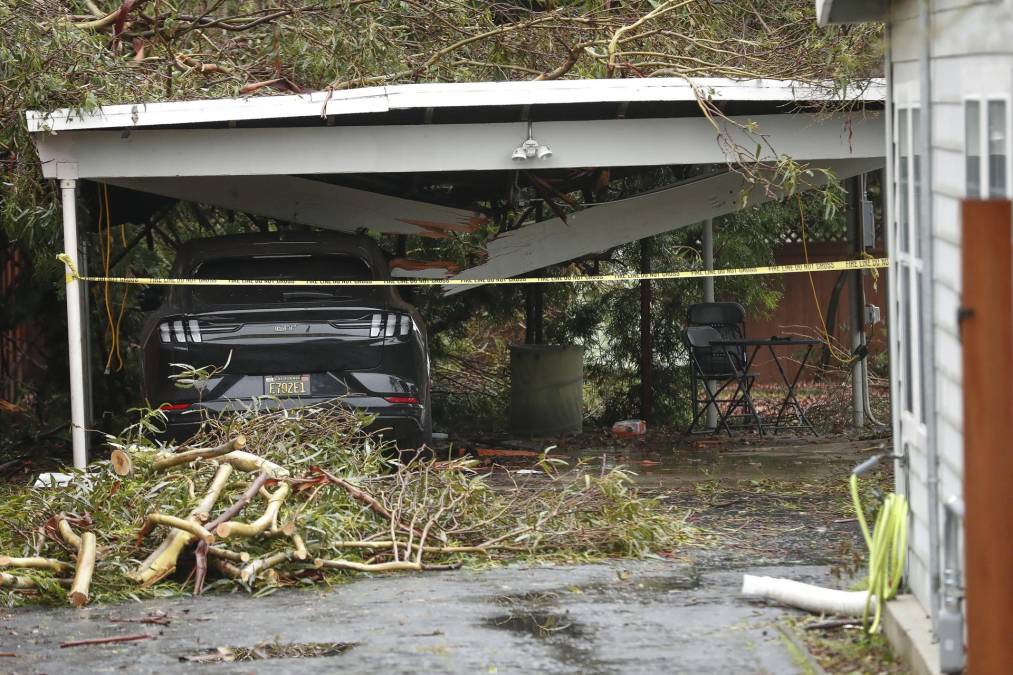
75,327
708,296
646,346
856,298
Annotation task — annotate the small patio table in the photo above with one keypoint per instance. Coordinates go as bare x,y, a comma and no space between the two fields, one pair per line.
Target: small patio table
772,344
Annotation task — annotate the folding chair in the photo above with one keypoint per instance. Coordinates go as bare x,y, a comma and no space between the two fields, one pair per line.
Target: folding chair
728,318
714,369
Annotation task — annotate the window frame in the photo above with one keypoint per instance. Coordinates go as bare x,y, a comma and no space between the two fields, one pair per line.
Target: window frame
984,164
907,255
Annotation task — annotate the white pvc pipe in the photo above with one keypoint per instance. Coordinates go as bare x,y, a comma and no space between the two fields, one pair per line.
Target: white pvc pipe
75,332
806,596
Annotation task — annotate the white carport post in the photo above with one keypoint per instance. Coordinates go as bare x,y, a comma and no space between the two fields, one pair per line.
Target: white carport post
75,325
708,296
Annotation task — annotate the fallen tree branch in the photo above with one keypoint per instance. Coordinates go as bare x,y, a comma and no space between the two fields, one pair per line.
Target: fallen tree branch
69,536
234,528
56,566
250,463
300,552
166,460
249,572
194,528
82,572
203,549
105,641
428,549
366,499
162,560
225,554
225,568
399,566
16,582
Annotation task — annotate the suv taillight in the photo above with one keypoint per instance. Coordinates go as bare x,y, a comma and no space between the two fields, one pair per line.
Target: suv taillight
390,325
174,330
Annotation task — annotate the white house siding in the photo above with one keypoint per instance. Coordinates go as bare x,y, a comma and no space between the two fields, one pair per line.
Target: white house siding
971,55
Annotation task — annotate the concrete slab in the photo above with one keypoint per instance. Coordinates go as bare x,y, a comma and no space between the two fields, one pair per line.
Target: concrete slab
908,627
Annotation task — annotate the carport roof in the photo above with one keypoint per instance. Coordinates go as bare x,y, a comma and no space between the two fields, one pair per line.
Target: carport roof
424,158
474,96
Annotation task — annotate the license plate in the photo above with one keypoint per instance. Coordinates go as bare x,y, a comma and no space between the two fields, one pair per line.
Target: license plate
286,385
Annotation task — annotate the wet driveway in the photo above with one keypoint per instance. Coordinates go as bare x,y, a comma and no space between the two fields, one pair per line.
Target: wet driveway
630,616
776,510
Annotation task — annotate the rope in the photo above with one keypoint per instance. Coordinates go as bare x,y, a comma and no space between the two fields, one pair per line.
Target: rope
106,246
844,357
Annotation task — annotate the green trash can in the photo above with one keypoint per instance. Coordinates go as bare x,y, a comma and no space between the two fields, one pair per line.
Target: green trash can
546,389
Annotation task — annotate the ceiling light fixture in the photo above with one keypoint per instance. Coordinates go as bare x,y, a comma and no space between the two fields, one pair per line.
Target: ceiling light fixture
530,149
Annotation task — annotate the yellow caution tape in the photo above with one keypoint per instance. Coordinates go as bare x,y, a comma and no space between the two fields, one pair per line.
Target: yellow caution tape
862,264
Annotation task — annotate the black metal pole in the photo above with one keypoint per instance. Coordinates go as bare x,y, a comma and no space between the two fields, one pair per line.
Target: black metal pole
646,347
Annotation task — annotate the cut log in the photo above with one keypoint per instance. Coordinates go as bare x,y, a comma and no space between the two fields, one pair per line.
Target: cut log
250,571
166,460
191,526
225,568
51,564
300,552
250,463
82,572
231,556
122,464
69,536
16,582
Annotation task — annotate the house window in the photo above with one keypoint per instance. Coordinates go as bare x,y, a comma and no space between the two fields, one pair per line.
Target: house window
972,148
997,149
906,250
986,151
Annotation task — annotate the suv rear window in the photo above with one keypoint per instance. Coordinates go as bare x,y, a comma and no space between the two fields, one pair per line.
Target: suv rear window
308,266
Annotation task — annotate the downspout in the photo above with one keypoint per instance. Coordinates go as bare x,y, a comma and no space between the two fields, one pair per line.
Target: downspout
902,466
928,356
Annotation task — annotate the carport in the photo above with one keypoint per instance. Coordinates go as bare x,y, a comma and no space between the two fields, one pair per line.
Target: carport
416,159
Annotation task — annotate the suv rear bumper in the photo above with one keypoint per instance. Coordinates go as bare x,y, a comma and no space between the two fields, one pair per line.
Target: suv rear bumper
398,422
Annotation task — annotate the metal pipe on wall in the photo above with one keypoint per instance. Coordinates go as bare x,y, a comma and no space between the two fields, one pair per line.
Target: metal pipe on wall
927,306
75,327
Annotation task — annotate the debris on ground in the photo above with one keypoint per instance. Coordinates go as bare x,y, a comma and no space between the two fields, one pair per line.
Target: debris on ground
629,428
106,641
306,650
264,500
847,648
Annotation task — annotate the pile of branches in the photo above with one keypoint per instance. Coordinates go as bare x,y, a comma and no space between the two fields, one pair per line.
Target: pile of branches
265,500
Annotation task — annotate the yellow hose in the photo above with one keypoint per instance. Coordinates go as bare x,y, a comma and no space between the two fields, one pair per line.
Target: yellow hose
887,546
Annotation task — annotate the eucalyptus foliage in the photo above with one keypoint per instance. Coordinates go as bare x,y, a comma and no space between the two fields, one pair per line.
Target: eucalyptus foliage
80,54
467,516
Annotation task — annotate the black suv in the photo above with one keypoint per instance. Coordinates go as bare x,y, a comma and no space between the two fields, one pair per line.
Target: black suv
289,345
